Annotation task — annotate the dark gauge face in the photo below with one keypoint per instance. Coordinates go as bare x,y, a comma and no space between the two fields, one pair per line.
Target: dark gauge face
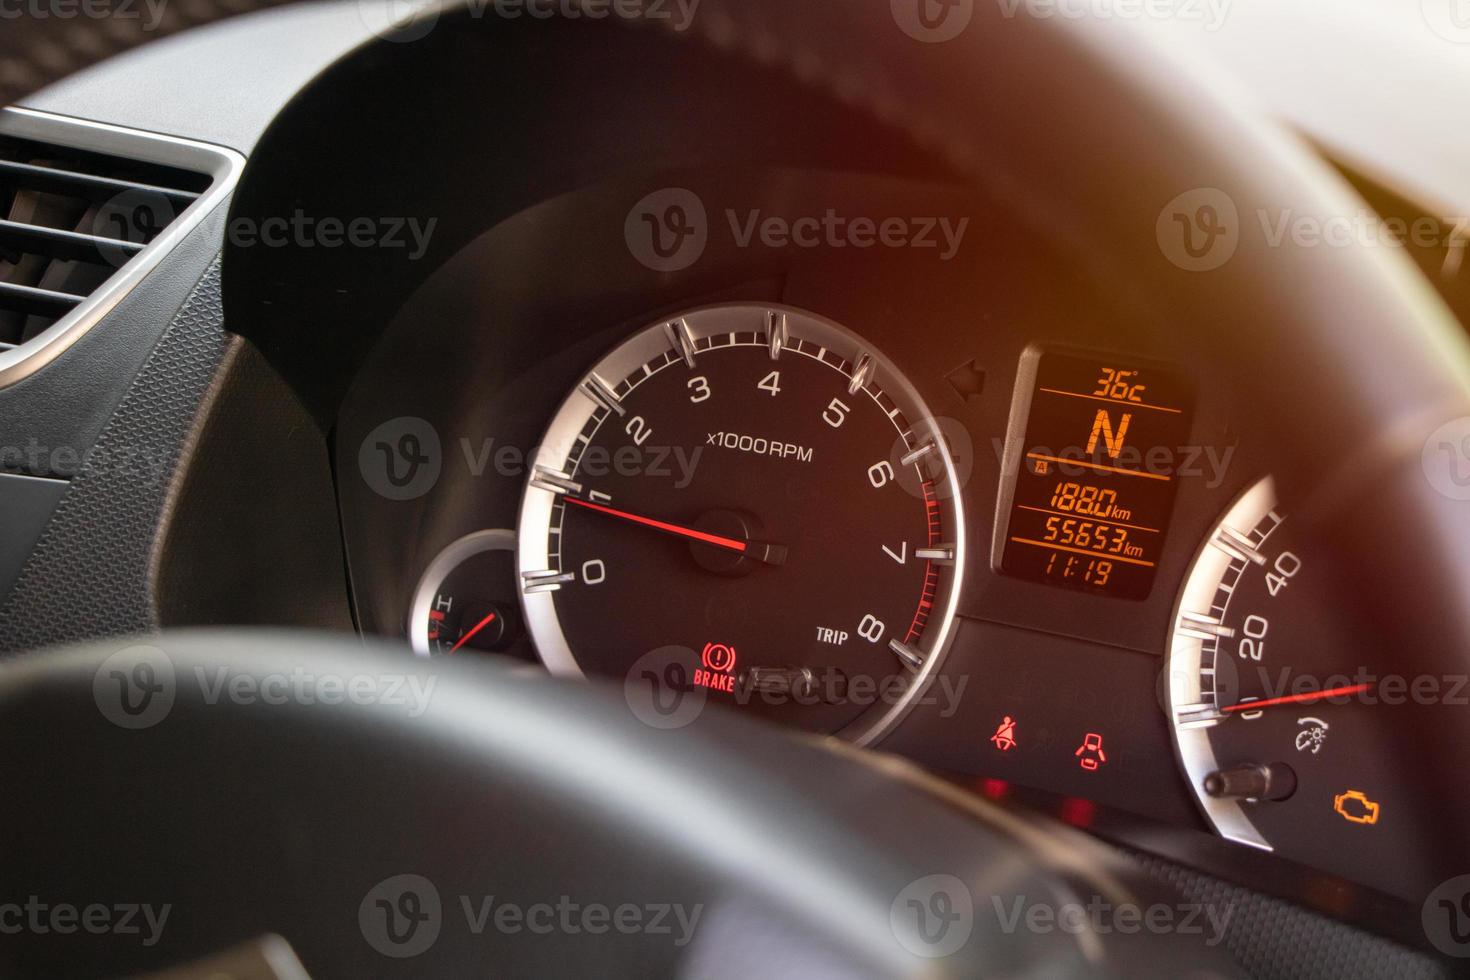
466,603
1282,728
761,490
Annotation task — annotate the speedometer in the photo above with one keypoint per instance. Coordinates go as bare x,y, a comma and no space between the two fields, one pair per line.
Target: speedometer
1283,723
762,490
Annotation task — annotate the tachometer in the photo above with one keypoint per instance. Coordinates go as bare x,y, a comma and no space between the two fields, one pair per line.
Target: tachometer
761,489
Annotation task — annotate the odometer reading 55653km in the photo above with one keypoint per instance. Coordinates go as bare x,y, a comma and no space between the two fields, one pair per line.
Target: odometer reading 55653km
761,492
1094,480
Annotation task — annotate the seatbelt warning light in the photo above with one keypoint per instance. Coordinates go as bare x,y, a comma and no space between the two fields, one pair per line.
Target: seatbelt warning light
1090,754
1005,735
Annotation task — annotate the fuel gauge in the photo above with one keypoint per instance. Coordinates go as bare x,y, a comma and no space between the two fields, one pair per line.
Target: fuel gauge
466,601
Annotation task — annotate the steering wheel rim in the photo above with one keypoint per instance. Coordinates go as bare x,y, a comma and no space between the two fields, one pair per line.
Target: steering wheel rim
215,805
1387,359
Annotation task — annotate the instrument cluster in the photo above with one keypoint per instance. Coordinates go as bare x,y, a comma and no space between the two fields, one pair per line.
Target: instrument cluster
959,507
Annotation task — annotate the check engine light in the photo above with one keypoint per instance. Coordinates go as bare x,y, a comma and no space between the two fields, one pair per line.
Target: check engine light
1355,807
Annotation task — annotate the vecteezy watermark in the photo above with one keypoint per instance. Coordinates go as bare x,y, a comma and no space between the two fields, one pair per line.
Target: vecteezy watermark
932,21
934,916
942,235
128,221
1209,13
136,688
669,230
675,464
40,918
1362,686
1446,459
302,230
403,21
1101,917
569,917
659,689
1233,674
412,20
1201,229
1450,19
149,13
1446,917
38,459
404,458
922,474
403,916
1361,228
669,688
411,692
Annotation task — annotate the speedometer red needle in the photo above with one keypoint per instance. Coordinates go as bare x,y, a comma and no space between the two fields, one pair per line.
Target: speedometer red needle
471,634
1306,698
684,532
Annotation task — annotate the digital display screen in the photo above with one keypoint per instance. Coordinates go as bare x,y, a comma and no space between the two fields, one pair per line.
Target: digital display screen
1097,474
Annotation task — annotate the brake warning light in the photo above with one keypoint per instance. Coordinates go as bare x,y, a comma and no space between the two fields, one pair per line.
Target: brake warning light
718,672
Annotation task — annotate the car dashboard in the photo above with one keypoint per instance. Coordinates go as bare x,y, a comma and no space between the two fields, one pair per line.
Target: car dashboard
735,403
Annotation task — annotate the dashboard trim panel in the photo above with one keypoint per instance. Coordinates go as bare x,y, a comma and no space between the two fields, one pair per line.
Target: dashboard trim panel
222,164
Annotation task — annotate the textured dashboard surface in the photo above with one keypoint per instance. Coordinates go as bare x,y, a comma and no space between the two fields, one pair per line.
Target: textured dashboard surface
91,573
1275,940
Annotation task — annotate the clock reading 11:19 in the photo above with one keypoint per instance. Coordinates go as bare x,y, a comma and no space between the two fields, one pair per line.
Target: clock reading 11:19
1096,477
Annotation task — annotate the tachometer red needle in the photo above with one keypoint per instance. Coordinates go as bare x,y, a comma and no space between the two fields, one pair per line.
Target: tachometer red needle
1307,698
684,532
471,634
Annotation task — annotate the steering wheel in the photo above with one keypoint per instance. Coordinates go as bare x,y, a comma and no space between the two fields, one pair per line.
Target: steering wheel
377,836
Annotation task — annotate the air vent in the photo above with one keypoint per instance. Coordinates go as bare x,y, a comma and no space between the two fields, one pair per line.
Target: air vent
86,211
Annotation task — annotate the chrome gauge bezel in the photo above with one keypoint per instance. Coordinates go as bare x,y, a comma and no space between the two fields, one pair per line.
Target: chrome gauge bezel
438,572
1185,664
669,335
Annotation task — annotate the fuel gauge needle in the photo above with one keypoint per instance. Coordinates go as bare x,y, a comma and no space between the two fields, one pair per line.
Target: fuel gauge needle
1307,698
473,633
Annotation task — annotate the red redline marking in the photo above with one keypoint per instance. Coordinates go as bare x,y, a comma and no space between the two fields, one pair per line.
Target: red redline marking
1306,698
472,633
931,577
685,532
